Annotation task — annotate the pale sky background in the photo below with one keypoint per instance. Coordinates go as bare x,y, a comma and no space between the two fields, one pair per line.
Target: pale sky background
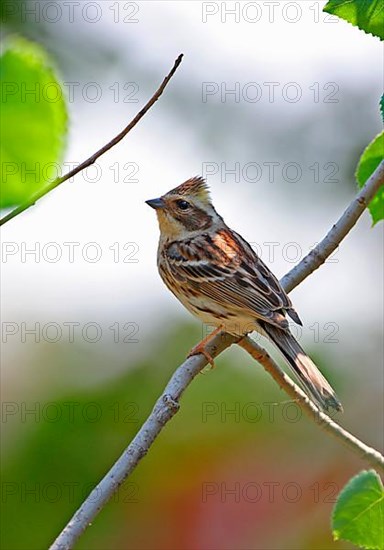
173,142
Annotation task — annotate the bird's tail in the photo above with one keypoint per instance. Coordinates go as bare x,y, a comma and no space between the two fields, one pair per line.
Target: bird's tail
309,375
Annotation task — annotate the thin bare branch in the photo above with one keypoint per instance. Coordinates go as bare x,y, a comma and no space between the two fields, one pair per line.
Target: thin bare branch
369,454
168,403
336,234
92,159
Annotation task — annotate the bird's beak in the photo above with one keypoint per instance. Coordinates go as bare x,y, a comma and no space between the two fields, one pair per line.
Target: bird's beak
156,203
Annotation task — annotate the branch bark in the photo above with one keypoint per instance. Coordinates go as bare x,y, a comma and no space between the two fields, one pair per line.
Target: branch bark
164,409
336,234
168,403
370,454
92,159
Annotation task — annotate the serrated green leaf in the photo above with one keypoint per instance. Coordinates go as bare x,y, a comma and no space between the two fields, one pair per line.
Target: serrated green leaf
367,15
368,163
358,515
33,121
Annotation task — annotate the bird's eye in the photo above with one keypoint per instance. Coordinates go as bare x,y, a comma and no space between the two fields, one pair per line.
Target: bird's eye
183,205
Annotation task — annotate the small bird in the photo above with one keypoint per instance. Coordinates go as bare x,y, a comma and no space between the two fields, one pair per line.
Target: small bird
219,278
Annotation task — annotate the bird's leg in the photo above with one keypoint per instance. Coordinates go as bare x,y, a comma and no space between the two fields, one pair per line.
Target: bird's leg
200,347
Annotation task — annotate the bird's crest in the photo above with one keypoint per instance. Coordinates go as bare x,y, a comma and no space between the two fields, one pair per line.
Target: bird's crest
194,187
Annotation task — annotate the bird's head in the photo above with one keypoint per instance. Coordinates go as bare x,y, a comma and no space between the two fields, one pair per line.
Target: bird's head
186,209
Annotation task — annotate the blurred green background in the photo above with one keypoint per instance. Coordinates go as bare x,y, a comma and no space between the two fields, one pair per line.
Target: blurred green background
239,467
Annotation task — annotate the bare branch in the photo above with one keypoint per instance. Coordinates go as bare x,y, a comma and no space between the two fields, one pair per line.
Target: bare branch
285,382
165,408
168,403
336,234
91,160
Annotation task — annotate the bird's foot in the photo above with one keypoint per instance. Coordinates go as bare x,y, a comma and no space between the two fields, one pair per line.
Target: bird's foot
201,347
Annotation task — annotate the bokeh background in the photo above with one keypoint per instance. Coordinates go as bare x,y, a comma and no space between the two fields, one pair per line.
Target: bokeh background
239,467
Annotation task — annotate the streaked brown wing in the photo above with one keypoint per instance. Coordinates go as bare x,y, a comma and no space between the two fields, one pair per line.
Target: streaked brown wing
224,268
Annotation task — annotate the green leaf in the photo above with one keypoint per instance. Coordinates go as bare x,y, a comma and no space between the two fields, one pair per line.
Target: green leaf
358,515
367,15
33,121
368,163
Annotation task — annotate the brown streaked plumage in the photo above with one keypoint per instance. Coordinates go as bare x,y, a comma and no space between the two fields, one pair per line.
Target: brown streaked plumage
219,278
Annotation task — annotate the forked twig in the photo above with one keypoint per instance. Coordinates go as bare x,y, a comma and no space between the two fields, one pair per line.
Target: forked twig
168,403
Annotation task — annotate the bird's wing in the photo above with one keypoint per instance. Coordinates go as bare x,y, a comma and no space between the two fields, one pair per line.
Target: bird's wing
224,268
